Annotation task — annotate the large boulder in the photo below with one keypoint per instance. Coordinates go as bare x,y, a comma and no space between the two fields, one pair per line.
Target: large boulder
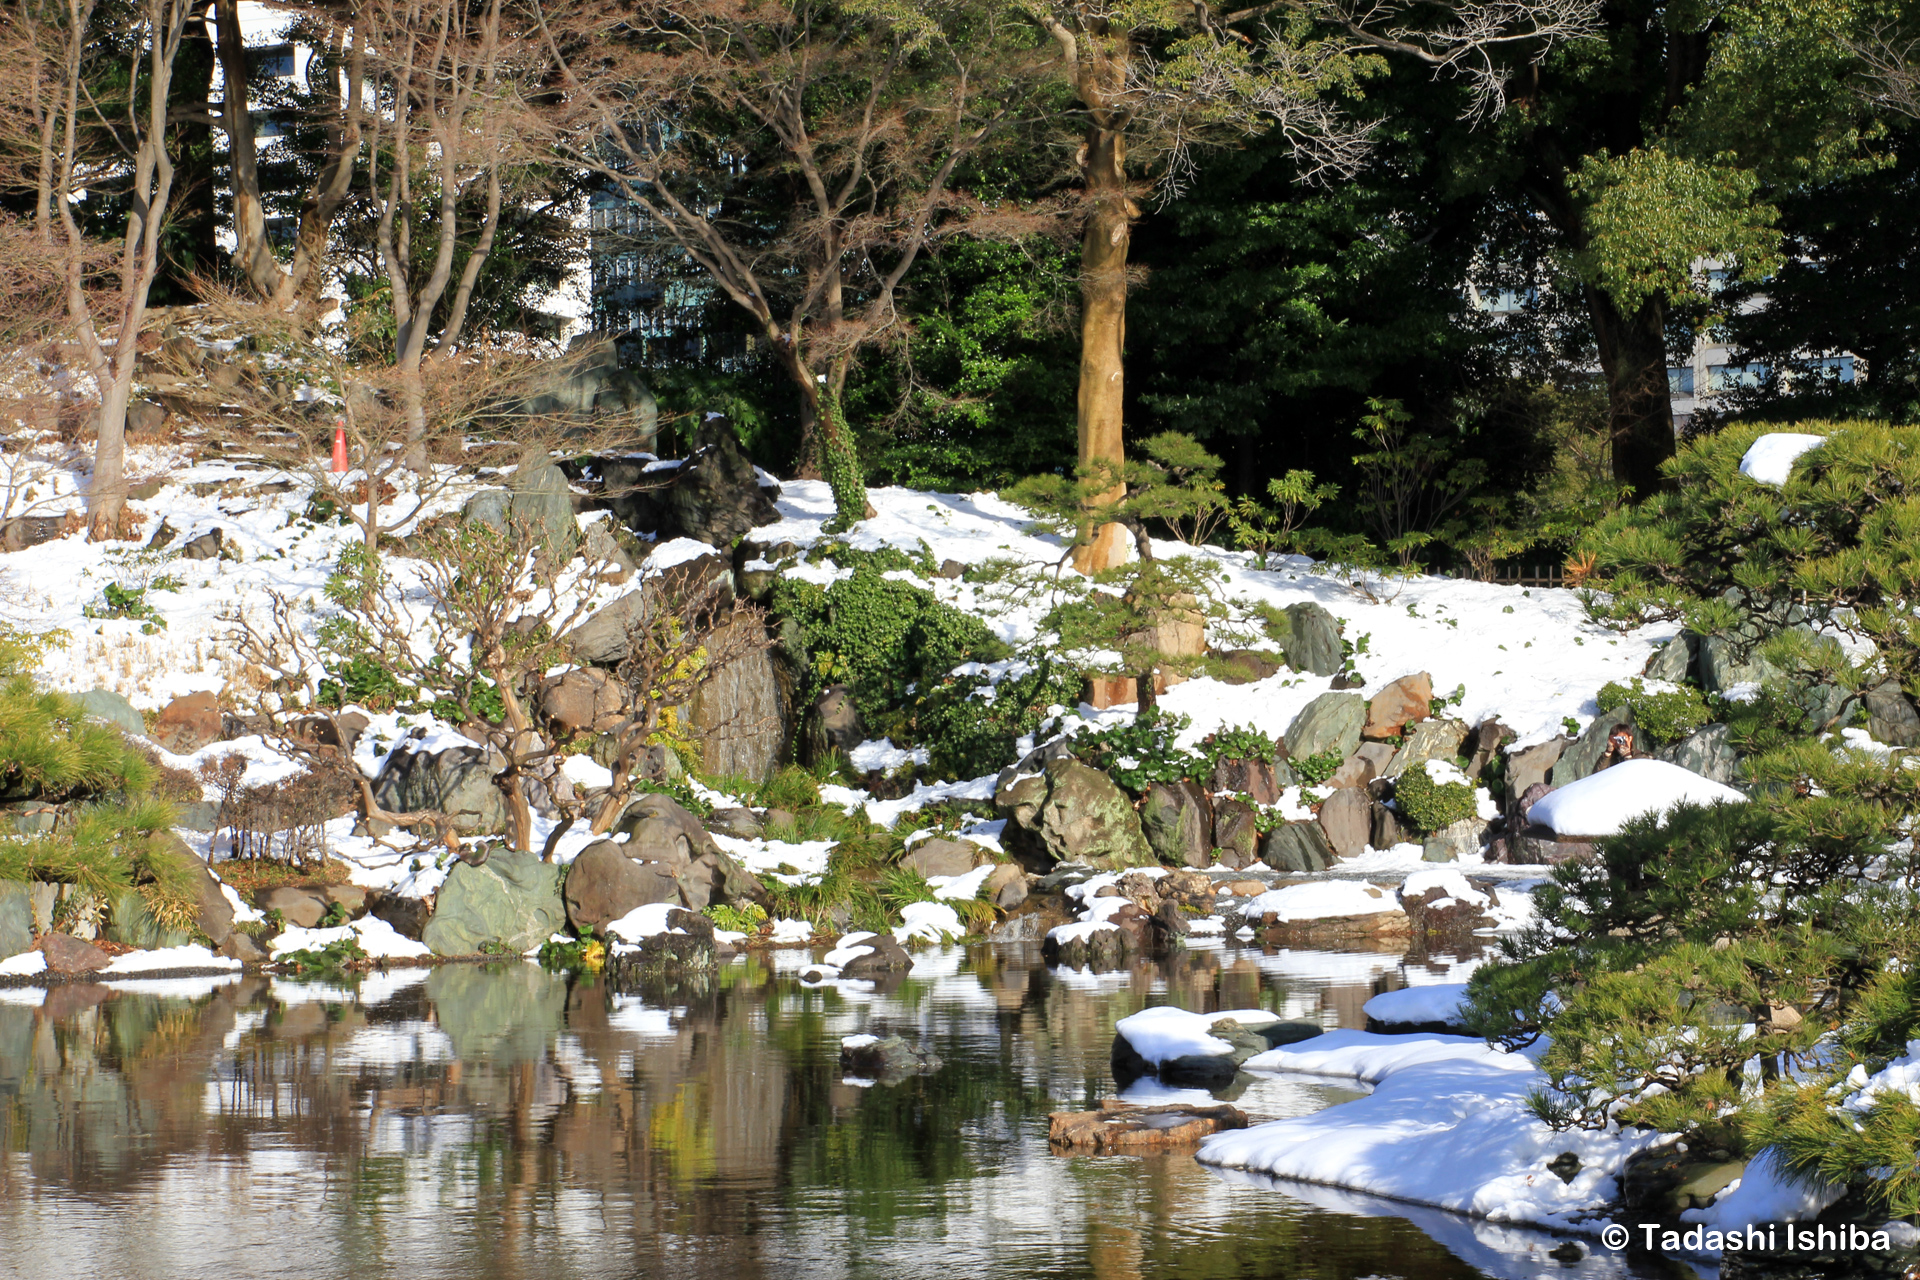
937,857
303,908
542,501
1178,823
1255,779
1236,837
583,699
1070,812
1398,705
16,918
1583,755
67,955
714,496
1430,740
1297,846
604,884
658,829
104,704
132,924
1313,640
1453,841
511,902
1673,661
739,717
1331,722
1534,764
457,781
1346,818
1891,717
1708,752
188,723
1006,887
1363,766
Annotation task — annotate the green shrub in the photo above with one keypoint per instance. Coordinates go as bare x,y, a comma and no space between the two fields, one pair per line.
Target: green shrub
745,917
1143,751
22,652
970,724
583,953
1239,742
1431,804
328,961
1316,769
107,849
1666,717
49,749
117,601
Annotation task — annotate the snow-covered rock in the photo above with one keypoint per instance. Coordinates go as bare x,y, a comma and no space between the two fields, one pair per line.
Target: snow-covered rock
1770,459
1601,803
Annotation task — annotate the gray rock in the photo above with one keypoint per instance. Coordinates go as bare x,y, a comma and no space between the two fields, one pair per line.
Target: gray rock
833,724
1584,753
1726,662
739,718
941,857
604,884
1533,764
1346,819
301,908
884,955
1209,1070
1706,752
714,496
1236,840
197,815
1331,722
131,924
205,547
1020,930
1388,830
1006,887
658,829
542,501
1430,740
715,877
16,918
1673,661
513,901
1314,642
1891,717
887,1060
738,823
1297,846
408,916
1454,841
602,639
1070,812
457,782
488,508
1178,824
104,704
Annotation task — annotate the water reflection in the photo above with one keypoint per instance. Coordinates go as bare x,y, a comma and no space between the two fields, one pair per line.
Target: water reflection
504,1121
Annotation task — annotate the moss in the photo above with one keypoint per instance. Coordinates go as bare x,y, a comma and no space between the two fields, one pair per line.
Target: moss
1431,805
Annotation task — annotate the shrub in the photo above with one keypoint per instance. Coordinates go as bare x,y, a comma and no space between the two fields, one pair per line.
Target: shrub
1239,742
50,750
1666,716
1432,794
1141,752
970,722
745,917
1316,769
106,849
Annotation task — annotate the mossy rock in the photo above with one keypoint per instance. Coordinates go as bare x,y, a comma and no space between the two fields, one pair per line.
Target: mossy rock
512,902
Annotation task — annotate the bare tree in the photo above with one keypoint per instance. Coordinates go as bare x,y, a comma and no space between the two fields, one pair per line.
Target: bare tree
87,143
860,114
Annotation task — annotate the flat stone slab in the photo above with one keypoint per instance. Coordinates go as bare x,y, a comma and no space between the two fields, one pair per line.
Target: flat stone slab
1119,1127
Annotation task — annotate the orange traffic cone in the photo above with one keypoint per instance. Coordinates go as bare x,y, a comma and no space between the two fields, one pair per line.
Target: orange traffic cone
339,445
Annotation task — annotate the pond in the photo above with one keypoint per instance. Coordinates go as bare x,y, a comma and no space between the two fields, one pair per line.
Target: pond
503,1121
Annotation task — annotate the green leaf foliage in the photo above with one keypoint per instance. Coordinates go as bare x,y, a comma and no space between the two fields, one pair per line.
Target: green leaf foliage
1431,805
1666,715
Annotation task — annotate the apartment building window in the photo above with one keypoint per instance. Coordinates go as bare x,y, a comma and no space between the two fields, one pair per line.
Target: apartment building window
1829,368
1725,377
1680,381
274,61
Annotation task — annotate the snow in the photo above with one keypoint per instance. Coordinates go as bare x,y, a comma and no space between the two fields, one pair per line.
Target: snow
1601,803
1765,1192
1447,1125
805,861
1440,1002
192,956
1447,879
961,888
1770,459
1901,1078
788,932
586,773
858,1042
850,948
882,755
1164,1032
24,965
928,921
644,922
1321,900
380,940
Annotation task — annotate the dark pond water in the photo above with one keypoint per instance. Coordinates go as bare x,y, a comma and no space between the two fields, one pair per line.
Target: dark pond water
507,1122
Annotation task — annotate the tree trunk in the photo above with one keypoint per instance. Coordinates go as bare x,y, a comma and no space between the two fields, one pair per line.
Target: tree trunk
837,455
1633,357
1103,332
193,243
252,255
107,489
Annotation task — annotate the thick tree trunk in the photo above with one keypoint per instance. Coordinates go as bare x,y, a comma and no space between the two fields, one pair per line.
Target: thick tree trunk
1633,357
193,245
1103,331
107,488
252,255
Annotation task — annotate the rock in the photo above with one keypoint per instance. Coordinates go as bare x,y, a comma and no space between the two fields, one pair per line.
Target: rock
188,723
1430,740
408,916
1398,705
22,532
1585,752
658,829
1297,846
584,699
604,884
512,902
104,704
1236,839
833,724
1071,812
205,547
1673,661
1726,662
1178,823
1331,722
16,918
1255,779
883,955
602,639
70,955
1346,819
1363,766
302,908
488,507
457,782
1891,717
241,947
1453,841
714,496
1314,641
1532,764
1708,752
739,718
1388,829
1122,1127
887,1059
1006,888
738,823
211,912
145,418
1245,666
715,877
1209,1070
130,923
952,569
542,501
1126,934
1486,740
941,857
600,545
